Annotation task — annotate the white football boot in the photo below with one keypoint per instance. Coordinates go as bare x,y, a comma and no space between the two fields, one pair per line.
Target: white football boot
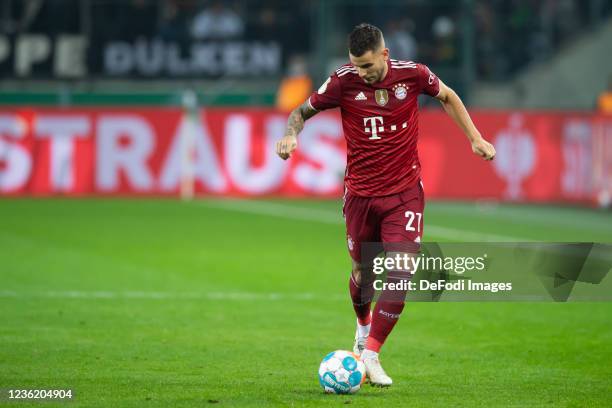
360,343
374,370
361,335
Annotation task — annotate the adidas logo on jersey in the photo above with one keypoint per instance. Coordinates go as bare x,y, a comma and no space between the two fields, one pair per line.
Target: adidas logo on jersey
360,97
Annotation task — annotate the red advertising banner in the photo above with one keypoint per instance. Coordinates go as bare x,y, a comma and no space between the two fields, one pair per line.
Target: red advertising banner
540,156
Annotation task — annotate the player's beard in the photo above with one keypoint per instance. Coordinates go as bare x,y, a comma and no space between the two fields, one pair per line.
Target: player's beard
376,77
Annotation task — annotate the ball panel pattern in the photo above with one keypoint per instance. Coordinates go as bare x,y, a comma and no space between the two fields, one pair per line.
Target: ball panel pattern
341,372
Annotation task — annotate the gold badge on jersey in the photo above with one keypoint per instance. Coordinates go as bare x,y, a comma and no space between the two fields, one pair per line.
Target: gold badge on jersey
381,96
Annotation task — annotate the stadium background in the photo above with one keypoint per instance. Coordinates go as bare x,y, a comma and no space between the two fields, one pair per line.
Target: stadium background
110,111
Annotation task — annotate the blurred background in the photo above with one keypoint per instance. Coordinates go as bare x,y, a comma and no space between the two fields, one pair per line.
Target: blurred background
192,77
231,255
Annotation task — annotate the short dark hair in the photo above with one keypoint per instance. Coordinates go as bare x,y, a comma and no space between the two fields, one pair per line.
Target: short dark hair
364,37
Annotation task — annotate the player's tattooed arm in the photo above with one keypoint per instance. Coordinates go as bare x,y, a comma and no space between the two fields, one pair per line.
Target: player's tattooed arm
453,105
298,116
287,145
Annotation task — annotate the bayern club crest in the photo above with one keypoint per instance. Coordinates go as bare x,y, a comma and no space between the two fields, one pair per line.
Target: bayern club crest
401,91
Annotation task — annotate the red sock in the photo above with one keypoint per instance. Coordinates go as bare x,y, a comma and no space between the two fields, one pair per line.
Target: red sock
362,299
386,314
384,318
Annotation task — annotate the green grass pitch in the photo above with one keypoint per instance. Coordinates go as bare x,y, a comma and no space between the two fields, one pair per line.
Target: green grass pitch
143,303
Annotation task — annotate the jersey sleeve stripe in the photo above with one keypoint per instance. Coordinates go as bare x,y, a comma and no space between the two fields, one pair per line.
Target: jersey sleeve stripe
347,66
402,62
310,104
347,72
344,70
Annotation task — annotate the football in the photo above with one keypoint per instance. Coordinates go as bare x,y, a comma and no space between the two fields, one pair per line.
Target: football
341,372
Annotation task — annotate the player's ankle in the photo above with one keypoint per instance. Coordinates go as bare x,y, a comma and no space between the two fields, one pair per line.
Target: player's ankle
363,330
373,344
369,354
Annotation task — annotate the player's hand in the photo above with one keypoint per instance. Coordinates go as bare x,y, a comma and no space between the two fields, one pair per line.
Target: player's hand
483,149
286,146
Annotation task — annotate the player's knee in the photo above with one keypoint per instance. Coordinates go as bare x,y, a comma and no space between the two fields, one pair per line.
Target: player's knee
362,274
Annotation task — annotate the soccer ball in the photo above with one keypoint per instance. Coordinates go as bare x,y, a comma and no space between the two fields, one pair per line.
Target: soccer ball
341,372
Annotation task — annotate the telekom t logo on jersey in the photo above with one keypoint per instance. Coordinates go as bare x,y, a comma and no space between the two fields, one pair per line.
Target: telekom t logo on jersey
374,126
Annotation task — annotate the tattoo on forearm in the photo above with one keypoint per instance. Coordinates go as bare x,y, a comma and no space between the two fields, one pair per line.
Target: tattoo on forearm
298,116
295,123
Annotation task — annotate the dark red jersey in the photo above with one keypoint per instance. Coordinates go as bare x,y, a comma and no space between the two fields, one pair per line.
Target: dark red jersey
380,123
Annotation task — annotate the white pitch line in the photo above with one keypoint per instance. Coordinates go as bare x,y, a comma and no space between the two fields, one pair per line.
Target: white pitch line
332,217
276,210
229,296
98,295
471,236
546,216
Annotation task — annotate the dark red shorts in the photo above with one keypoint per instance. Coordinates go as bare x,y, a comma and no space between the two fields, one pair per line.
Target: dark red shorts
395,221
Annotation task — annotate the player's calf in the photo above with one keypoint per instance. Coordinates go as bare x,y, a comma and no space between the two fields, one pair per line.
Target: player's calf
362,293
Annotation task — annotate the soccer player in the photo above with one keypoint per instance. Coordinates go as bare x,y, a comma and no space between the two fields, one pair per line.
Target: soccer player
383,200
